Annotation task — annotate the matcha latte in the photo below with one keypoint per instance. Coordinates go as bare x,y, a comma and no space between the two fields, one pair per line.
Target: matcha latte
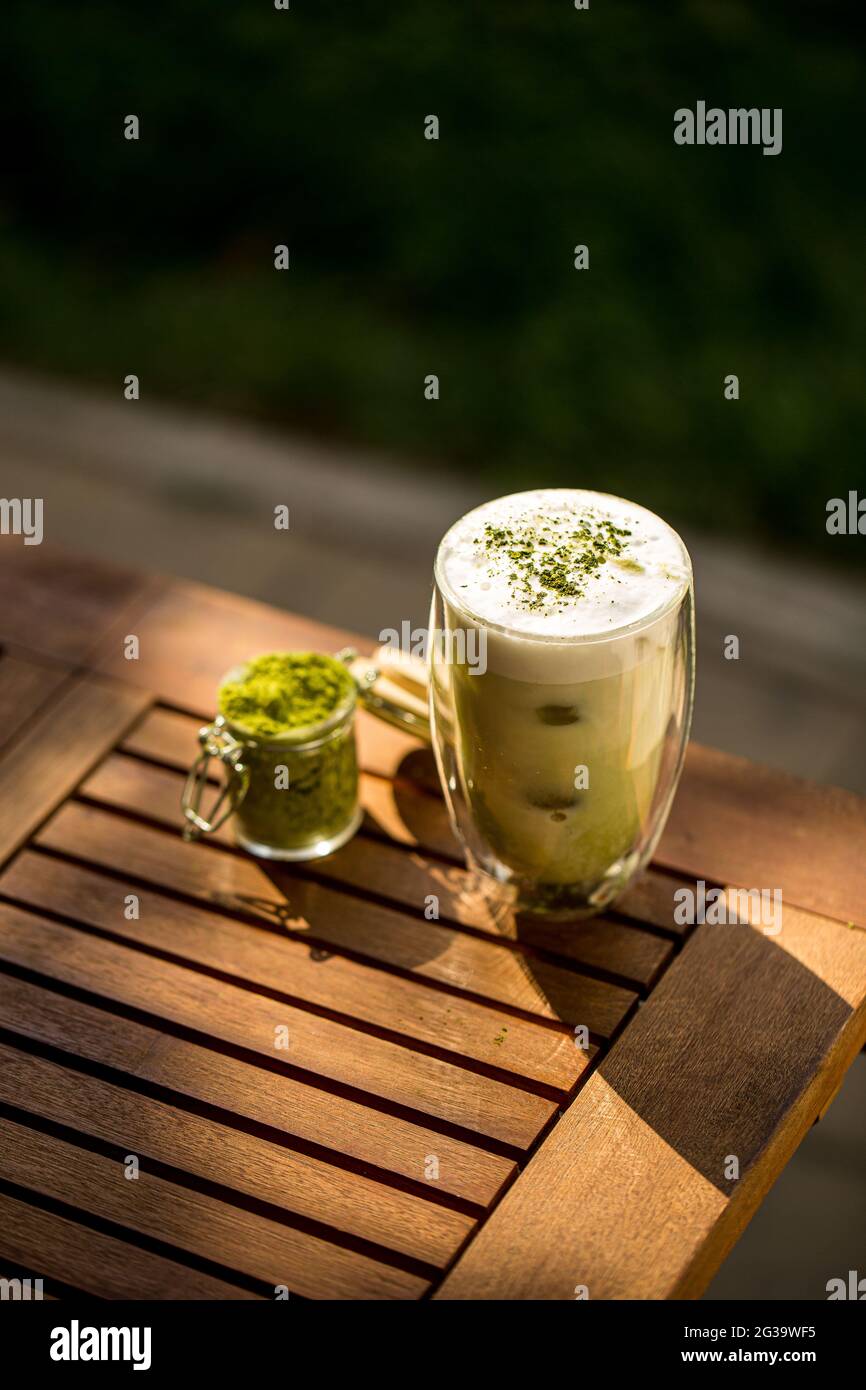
559,752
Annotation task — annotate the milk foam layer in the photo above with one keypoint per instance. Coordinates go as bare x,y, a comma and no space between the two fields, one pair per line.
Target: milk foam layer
624,612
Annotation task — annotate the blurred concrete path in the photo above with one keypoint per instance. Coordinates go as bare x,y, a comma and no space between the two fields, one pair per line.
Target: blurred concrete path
194,495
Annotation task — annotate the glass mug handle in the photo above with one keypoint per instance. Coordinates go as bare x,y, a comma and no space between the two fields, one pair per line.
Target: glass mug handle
216,742
393,687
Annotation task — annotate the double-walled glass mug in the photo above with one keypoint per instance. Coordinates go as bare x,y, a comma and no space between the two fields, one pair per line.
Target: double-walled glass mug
562,677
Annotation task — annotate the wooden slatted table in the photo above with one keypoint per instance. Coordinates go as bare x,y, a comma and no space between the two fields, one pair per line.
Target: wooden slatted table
432,1128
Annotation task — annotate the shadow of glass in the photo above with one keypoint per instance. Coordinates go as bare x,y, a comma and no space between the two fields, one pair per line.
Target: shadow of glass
418,770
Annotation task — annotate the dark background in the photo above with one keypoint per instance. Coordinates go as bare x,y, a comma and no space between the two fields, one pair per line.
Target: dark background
456,257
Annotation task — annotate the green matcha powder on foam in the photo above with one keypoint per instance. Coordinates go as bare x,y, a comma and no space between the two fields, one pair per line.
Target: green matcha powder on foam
277,704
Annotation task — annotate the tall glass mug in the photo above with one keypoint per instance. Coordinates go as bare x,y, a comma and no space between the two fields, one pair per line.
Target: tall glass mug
562,677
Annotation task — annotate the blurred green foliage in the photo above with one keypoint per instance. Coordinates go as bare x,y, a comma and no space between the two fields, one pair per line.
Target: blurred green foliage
456,257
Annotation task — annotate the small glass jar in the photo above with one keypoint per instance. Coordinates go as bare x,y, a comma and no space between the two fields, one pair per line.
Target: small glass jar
294,797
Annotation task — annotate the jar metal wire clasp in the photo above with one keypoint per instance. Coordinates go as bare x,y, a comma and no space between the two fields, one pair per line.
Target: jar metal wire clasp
216,742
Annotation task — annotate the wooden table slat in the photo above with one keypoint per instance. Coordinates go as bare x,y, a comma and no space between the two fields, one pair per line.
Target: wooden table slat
64,605
738,822
57,1247
285,965
191,634
191,1221
429,951
317,1046
56,749
296,1183
329,1125
25,686
407,879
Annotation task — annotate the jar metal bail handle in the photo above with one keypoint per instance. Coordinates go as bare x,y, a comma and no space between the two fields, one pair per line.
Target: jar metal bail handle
216,742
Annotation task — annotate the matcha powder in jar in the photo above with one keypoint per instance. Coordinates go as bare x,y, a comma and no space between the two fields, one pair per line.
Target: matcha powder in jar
286,736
